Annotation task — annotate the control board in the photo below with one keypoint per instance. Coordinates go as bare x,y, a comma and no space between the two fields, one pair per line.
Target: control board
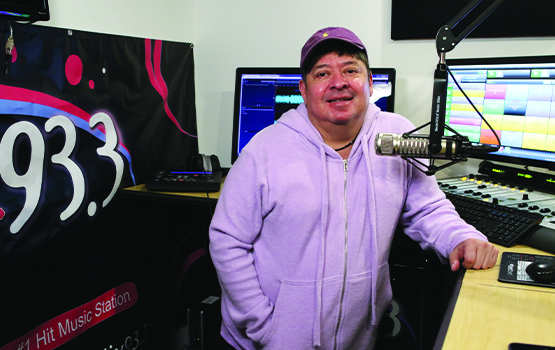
504,193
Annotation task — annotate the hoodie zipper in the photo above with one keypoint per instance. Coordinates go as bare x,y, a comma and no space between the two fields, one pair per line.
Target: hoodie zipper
345,170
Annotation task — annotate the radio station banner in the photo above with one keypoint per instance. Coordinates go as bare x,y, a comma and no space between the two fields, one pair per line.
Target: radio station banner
83,115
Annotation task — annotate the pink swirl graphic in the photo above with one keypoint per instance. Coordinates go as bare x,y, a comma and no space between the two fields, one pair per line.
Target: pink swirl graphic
156,79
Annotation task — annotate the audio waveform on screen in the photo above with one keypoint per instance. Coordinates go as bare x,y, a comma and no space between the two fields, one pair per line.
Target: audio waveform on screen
291,99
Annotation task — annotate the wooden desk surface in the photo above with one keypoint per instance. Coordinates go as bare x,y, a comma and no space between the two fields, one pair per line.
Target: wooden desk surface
490,314
141,189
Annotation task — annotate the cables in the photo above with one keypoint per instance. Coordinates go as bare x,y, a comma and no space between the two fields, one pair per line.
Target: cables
8,56
476,109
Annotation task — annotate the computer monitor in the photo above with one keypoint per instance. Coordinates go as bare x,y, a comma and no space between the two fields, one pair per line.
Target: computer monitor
516,95
262,95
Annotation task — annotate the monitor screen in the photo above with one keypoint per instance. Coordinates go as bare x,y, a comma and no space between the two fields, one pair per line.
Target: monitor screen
24,10
262,95
516,96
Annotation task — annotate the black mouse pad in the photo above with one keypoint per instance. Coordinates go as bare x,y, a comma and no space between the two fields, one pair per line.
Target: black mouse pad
521,346
513,268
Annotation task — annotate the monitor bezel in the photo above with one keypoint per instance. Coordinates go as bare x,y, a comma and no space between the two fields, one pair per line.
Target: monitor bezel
541,59
285,70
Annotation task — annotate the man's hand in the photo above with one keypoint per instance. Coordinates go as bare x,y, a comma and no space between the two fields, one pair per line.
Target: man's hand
473,253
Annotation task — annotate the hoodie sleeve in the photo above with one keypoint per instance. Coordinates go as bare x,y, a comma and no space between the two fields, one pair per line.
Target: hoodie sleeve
431,219
236,223
428,217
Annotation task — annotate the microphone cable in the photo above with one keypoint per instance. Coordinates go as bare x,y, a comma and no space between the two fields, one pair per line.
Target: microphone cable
205,181
498,146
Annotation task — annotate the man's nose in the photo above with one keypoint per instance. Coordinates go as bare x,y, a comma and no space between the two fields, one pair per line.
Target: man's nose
339,81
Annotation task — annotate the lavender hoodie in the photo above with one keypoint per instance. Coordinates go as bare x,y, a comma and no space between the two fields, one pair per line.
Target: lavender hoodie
300,238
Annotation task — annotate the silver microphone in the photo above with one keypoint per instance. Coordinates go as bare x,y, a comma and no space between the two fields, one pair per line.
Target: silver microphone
389,144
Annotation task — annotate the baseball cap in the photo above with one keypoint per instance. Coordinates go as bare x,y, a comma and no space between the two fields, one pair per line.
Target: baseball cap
337,33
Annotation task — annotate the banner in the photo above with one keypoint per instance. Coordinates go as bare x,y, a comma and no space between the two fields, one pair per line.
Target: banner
83,115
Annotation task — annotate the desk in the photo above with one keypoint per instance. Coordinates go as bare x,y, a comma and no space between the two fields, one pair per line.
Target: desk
490,315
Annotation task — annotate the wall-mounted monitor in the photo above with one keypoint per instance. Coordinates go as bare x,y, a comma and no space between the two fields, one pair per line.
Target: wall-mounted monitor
516,95
24,10
262,95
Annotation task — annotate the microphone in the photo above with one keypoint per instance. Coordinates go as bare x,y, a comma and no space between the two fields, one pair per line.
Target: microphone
452,147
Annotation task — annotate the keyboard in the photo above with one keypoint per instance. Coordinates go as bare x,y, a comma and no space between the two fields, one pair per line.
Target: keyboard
185,181
501,225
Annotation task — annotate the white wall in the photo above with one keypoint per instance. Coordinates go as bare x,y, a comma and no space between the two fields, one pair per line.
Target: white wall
229,34
158,19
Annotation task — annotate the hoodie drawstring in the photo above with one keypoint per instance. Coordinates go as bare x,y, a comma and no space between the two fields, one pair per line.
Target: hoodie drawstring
372,218
316,337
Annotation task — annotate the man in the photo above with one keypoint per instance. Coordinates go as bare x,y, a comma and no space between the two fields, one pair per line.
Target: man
301,233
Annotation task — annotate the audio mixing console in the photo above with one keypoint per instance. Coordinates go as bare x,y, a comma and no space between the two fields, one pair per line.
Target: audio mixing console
482,187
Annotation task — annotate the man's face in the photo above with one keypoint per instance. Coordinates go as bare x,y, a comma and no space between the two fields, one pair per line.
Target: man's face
337,90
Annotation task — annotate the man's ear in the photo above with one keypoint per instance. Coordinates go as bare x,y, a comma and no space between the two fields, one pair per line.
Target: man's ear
371,82
302,88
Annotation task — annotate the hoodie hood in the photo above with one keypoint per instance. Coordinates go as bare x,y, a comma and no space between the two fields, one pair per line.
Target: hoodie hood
298,120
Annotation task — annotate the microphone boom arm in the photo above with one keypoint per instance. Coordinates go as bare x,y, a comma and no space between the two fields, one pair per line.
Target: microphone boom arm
445,42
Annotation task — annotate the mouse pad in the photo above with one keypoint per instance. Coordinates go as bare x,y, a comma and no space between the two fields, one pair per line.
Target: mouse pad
513,268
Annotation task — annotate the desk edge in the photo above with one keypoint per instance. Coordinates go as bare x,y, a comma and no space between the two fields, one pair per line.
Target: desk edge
449,311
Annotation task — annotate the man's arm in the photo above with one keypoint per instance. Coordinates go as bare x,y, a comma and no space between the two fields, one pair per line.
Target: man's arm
473,254
237,220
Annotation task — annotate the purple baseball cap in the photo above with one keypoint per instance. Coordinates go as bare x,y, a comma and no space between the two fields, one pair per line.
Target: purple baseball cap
337,33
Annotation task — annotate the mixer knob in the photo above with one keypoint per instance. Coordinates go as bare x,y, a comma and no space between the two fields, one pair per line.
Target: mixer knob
545,210
525,196
522,205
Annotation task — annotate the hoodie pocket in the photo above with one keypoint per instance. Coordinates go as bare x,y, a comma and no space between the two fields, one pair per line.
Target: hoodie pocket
293,317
